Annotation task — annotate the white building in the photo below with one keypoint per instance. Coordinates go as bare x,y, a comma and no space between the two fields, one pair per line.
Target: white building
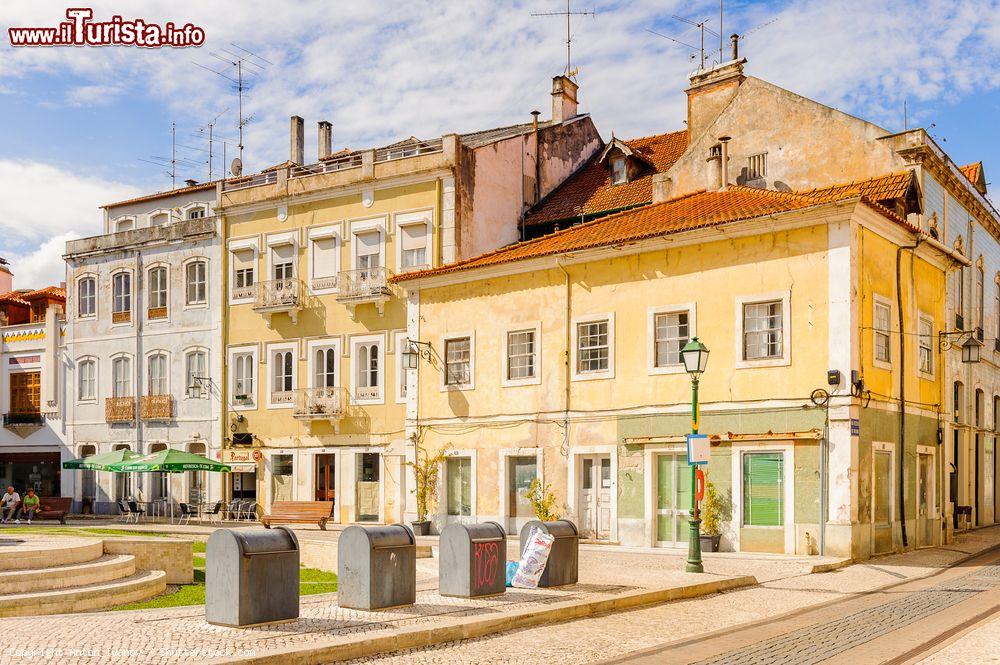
143,341
33,437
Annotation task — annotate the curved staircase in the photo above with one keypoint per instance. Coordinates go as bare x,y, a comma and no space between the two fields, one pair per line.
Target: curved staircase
70,574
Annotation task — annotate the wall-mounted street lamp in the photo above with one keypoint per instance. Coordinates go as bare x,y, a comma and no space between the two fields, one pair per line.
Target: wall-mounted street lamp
966,340
415,350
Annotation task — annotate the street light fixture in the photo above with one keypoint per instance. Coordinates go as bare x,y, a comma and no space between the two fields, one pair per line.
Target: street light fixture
694,355
971,349
415,350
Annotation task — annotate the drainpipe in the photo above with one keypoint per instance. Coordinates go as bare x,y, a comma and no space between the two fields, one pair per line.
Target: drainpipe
902,389
137,308
568,359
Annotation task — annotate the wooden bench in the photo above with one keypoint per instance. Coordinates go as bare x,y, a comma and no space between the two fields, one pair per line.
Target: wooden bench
51,508
299,512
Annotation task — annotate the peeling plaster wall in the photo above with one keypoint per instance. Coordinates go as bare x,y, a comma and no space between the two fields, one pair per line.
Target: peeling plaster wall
807,144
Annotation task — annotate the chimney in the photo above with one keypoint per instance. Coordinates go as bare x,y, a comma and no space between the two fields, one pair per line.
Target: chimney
724,162
710,92
563,98
735,39
325,142
298,140
663,187
6,277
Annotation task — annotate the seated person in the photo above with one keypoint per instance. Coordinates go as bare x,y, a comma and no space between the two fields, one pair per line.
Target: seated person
9,504
29,505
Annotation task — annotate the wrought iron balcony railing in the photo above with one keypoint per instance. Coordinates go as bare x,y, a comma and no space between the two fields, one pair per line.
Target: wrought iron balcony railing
279,295
367,285
23,419
321,404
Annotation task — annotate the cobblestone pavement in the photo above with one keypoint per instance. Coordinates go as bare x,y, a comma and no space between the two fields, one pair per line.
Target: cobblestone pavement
604,638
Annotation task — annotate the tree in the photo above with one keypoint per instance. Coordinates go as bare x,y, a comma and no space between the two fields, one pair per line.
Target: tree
543,501
427,471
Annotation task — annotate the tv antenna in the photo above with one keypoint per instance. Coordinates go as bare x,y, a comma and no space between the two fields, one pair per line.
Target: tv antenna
245,65
569,13
170,163
210,129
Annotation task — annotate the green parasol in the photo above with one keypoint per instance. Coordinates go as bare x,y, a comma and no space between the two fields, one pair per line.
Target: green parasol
101,462
169,460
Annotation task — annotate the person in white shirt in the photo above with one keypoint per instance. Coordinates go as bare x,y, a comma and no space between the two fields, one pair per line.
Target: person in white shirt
9,504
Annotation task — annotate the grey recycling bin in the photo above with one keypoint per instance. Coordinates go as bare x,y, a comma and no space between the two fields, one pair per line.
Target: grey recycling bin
376,567
473,560
564,559
251,576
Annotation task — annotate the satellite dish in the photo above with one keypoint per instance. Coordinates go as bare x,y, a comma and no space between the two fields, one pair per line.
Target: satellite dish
236,168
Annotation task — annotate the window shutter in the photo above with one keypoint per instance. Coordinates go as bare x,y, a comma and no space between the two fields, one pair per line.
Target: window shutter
413,236
284,252
763,491
368,242
324,257
243,258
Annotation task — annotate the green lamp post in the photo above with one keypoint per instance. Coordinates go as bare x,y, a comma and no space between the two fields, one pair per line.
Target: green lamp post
694,355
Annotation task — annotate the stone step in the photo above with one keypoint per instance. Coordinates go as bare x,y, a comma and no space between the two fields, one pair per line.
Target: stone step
105,595
46,552
105,569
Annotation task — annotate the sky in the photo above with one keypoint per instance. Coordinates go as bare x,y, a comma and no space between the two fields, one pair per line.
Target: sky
76,123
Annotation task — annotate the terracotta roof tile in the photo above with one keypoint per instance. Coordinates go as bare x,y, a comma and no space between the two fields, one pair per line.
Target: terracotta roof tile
693,211
50,291
14,297
881,188
971,171
589,190
159,195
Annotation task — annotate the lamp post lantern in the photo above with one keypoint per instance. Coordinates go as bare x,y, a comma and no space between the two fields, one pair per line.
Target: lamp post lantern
694,355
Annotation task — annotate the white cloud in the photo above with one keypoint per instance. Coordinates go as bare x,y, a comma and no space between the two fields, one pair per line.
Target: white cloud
92,95
42,266
43,201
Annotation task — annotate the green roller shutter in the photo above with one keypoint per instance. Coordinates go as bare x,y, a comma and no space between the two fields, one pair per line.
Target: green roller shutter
763,489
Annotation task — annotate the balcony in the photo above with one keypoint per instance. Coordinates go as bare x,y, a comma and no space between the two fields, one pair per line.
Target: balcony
119,409
321,404
368,285
24,423
279,295
156,407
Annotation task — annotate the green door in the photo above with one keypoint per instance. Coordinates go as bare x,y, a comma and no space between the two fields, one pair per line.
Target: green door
673,499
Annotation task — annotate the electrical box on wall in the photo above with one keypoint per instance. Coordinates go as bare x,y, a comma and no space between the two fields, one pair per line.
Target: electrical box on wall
833,377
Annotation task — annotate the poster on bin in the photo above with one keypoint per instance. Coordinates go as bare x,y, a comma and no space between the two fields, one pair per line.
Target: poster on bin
697,448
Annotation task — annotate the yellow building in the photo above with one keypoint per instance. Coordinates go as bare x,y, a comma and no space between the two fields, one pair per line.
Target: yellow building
316,394
790,238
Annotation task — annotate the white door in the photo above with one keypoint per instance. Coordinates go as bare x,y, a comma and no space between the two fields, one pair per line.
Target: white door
595,497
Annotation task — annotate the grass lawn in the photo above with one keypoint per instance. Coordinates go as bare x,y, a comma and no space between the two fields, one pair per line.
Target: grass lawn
80,531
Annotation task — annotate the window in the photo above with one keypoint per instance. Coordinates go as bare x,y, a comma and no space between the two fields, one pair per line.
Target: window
402,343
325,367
458,478
520,355
980,281
283,262
368,365
25,393
122,373
243,378
880,331
86,291
762,330
593,351
763,489
195,368
196,213
457,354
87,384
325,260
159,220
413,245
157,374
123,225
243,261
671,333
196,283
157,293
925,345
282,372
619,172
757,166
122,301
367,369
367,250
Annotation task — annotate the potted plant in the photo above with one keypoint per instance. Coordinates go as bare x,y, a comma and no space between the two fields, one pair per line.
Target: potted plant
426,470
711,516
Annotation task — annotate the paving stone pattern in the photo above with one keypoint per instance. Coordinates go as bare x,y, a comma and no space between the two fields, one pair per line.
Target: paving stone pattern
817,643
